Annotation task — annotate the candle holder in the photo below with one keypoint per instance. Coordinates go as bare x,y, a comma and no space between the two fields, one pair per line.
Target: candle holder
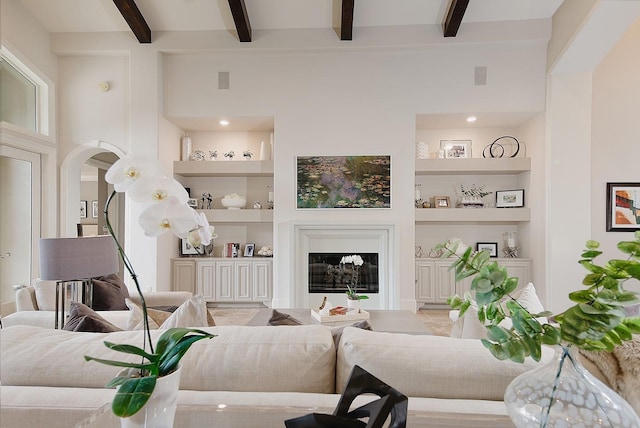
270,197
511,248
418,196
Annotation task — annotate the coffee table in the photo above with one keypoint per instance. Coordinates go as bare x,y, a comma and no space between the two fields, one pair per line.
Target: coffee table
267,417
391,320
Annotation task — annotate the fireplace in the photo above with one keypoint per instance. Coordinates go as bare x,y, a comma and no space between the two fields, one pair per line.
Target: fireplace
327,239
328,275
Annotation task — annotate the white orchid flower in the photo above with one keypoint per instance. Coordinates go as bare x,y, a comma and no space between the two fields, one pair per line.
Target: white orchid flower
169,215
201,233
357,260
128,169
157,189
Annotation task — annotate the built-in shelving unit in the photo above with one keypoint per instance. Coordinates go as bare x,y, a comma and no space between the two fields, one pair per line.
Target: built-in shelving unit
239,216
222,168
473,166
472,215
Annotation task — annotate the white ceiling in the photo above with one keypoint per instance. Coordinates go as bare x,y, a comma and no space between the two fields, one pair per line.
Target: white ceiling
265,15
185,15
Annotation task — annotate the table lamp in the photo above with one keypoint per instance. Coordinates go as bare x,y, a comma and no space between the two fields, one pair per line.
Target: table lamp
73,260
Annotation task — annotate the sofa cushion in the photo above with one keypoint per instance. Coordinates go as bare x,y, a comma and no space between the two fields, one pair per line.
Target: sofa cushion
240,358
109,293
83,318
428,366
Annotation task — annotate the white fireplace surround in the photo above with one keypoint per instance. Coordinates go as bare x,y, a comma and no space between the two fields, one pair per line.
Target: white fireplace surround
350,239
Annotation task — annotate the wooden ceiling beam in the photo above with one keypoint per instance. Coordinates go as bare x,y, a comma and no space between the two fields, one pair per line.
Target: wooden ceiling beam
241,19
134,18
456,11
346,21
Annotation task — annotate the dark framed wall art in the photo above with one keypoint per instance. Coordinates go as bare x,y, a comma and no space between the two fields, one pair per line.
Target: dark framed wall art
623,207
343,182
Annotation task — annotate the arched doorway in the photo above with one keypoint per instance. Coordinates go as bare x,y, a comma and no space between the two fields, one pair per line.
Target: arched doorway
100,155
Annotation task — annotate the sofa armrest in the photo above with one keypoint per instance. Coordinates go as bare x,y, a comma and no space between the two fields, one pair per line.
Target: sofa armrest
26,299
163,298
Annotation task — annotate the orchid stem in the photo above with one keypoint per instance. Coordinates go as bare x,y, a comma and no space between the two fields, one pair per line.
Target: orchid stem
129,267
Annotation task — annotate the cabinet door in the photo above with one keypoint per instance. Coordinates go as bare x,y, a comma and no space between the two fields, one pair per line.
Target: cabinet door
183,275
445,280
205,278
243,283
425,284
262,281
224,281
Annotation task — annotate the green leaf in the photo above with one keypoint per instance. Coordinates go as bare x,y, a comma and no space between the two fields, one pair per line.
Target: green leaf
143,366
132,395
130,349
169,361
581,296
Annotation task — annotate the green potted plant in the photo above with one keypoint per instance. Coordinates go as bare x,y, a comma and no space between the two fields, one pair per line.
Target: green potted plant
165,209
596,322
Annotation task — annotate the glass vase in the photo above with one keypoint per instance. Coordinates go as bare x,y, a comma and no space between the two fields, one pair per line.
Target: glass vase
562,393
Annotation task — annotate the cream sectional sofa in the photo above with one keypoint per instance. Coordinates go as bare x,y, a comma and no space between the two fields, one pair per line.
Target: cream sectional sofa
35,305
46,381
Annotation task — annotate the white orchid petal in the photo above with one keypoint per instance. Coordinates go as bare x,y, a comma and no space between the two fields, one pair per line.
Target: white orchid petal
157,189
129,169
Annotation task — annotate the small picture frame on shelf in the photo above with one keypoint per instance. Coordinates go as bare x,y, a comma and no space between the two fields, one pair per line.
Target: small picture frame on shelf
83,209
186,249
441,202
490,247
510,198
248,250
192,202
456,149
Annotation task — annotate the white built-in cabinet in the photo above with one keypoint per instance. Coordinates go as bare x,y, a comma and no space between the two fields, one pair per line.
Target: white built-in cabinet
435,282
225,280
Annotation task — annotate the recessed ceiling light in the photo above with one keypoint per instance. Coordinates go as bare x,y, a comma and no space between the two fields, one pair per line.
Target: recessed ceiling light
224,122
471,119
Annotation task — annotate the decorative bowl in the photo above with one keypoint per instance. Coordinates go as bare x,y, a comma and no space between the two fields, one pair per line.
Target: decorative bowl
233,203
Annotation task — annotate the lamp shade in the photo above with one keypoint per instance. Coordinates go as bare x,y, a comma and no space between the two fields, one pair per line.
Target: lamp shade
69,259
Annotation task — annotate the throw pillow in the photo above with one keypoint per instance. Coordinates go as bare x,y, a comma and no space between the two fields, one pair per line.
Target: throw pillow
83,318
469,327
336,332
109,293
45,294
192,313
279,318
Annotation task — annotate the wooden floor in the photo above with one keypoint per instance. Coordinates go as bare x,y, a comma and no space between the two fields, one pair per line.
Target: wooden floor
436,319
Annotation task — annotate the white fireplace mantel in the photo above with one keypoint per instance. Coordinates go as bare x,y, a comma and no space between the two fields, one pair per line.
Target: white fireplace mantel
350,239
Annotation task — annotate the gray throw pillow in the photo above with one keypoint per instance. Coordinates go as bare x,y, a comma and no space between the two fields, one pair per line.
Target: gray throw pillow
337,331
279,318
83,318
109,293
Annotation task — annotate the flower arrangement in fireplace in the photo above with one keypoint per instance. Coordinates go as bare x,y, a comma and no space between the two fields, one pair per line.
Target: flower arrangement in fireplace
352,285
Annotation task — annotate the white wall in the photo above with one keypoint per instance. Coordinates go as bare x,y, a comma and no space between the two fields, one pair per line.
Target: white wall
342,99
615,151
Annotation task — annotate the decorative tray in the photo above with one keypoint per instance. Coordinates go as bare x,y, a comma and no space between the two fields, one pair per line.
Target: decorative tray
349,316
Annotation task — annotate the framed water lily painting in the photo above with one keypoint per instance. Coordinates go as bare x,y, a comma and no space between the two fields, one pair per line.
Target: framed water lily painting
343,182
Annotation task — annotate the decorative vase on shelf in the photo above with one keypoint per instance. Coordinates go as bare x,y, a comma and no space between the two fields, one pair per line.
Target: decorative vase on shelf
160,410
562,393
185,148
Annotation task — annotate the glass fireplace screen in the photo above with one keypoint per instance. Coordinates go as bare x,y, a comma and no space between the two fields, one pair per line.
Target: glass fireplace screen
327,275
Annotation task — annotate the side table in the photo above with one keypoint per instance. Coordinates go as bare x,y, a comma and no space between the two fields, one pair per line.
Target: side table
73,291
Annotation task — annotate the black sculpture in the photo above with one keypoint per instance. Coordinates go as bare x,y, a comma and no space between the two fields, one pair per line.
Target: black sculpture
360,382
